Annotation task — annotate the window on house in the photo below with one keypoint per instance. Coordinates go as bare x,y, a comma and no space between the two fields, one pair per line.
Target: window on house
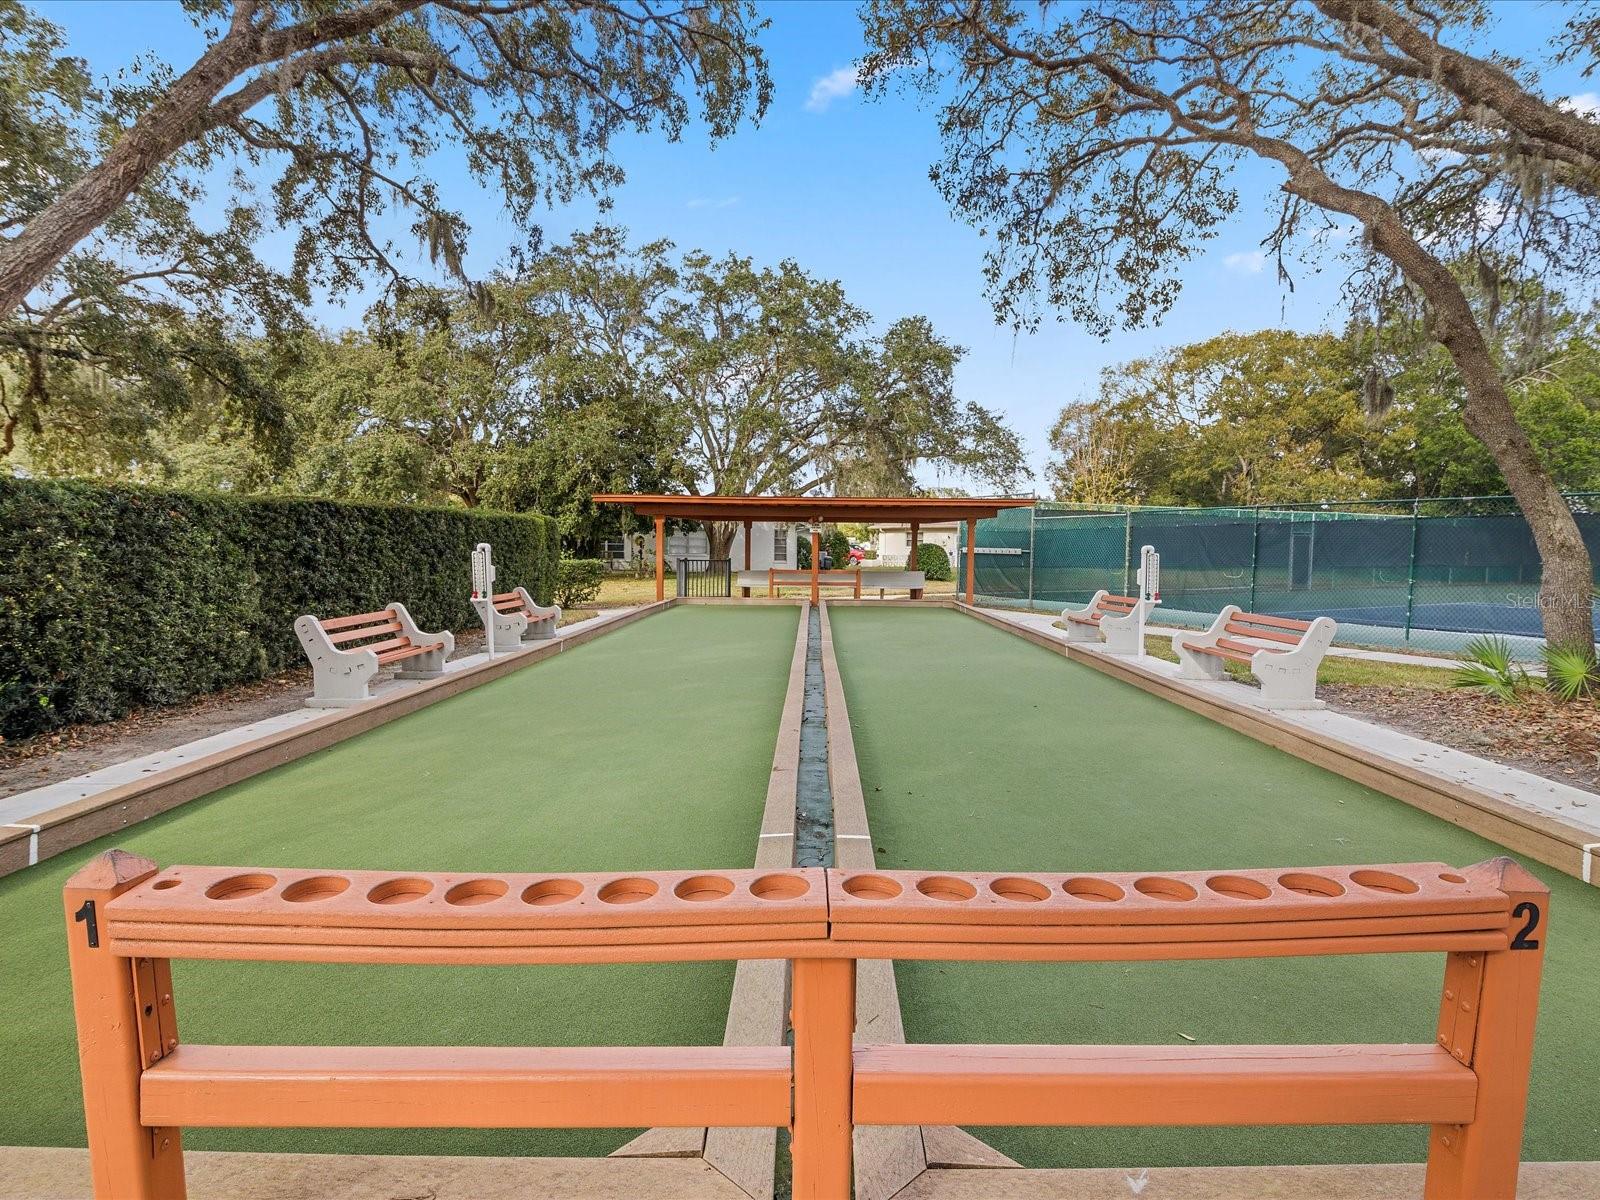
780,543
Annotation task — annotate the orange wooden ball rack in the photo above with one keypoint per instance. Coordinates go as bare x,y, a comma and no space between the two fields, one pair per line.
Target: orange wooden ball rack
127,919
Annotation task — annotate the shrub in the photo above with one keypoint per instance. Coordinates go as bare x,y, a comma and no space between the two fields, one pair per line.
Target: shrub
1571,673
838,547
117,597
579,581
802,552
1489,669
933,562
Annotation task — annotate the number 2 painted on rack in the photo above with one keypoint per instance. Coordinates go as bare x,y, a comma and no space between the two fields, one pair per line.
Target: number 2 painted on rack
1522,941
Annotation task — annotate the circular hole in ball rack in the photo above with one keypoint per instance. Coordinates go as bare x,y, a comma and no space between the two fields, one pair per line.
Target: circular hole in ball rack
318,887
477,891
237,887
399,891
548,892
703,887
1019,890
627,891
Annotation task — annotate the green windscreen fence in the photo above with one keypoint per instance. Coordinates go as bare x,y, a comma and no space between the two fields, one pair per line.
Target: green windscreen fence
1428,574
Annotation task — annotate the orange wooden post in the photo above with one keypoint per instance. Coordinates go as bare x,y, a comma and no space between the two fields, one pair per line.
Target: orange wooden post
661,558
972,554
911,554
745,592
816,564
127,1160
823,1011
1486,1020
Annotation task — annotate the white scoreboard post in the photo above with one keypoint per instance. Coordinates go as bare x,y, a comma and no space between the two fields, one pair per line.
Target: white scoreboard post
483,591
1149,587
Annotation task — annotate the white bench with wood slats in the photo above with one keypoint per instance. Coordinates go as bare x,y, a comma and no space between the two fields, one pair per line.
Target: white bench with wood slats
518,618
346,652
1286,667
1113,618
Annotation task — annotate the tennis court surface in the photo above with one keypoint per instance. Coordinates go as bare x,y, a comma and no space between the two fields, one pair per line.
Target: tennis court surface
648,748
980,751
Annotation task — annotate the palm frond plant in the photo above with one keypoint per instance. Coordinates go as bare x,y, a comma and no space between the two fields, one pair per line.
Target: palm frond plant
1490,669
1571,673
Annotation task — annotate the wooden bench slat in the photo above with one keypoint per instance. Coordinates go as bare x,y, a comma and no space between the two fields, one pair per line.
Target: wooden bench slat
333,623
1274,622
1269,635
500,597
379,648
409,652
1224,652
351,635
1228,643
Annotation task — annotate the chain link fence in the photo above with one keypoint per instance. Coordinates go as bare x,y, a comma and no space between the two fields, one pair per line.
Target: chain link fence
1426,575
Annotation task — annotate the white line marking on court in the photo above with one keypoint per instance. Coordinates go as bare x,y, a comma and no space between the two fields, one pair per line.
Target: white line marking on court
767,835
1588,860
865,837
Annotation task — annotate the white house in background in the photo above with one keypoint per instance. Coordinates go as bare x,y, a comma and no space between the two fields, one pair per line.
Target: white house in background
893,542
770,546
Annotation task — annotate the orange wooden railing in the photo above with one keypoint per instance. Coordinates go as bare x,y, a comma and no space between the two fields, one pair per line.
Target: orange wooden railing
127,920
778,577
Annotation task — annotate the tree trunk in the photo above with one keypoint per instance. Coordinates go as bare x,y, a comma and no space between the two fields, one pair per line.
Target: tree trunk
170,123
1566,588
719,538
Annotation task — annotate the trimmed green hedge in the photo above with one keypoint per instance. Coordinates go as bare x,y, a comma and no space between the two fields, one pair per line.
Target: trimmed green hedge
116,597
579,581
933,562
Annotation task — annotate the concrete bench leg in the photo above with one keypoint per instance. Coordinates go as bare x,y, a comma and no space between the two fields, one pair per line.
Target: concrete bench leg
339,677
509,629
422,666
1077,631
1122,633
1289,680
543,620
1198,666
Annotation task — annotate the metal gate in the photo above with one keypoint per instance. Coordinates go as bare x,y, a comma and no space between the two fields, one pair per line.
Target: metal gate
705,577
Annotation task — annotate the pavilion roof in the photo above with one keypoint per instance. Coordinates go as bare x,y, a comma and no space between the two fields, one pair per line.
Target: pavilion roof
818,509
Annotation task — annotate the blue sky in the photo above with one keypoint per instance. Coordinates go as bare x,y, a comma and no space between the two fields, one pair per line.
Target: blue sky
842,187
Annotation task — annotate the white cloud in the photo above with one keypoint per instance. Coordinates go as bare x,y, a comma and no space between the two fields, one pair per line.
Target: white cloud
1585,104
1246,262
833,86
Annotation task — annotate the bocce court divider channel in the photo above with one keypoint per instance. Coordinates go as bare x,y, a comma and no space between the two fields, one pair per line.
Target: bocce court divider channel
126,919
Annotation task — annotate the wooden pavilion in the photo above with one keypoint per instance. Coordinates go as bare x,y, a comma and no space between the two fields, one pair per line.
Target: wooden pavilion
815,511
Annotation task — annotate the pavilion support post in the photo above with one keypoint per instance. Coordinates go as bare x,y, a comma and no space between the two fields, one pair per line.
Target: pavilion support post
972,554
661,558
816,564
911,558
745,592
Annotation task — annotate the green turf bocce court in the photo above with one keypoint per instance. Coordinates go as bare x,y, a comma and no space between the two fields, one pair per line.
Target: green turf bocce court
648,747
979,751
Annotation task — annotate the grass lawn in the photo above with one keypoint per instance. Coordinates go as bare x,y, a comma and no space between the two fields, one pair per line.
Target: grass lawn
981,751
647,748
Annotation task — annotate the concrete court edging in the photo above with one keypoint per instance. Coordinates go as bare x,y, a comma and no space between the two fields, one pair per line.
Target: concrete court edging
1544,837
758,1007
54,831
888,1158
33,1172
